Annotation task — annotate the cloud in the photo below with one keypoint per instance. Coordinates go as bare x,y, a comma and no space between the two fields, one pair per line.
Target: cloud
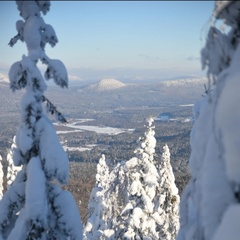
193,58
148,57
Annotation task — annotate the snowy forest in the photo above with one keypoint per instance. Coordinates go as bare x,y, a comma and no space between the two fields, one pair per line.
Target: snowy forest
136,198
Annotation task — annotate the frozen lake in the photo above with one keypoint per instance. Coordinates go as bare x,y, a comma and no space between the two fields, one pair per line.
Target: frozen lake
76,127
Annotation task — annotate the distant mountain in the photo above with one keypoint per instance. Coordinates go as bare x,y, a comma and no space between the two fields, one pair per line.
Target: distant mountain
184,88
183,77
104,85
4,78
184,82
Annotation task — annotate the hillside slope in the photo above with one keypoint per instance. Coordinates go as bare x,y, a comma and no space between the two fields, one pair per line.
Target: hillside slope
104,85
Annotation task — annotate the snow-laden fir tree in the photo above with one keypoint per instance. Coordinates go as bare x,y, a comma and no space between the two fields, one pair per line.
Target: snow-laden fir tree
12,170
115,195
151,198
106,202
169,198
35,206
98,205
210,207
116,199
1,178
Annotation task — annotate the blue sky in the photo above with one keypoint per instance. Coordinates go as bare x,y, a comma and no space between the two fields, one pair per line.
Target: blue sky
120,39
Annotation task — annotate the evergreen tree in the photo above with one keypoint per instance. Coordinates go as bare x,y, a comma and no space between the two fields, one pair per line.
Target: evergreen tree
35,206
12,170
141,200
169,198
211,199
97,207
151,209
116,199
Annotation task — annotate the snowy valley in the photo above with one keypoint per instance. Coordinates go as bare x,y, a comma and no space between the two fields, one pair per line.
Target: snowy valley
110,122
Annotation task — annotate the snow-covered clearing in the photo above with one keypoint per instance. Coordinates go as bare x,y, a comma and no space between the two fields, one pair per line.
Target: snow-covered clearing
80,149
99,130
186,105
68,131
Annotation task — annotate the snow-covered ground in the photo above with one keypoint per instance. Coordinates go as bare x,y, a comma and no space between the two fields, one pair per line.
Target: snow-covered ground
99,130
68,131
80,149
187,105
74,127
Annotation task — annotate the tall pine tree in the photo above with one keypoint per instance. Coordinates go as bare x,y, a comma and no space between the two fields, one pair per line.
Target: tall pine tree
35,206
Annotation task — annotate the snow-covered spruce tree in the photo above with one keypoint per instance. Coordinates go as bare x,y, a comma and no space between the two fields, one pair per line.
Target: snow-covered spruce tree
106,202
169,198
97,207
210,203
116,199
35,206
146,214
1,178
12,170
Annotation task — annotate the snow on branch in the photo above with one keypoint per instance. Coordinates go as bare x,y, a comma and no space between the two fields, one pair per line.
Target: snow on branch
17,76
66,210
19,36
53,110
48,36
9,205
56,71
44,6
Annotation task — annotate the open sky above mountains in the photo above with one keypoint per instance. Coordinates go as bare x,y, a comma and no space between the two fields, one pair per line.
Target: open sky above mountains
118,39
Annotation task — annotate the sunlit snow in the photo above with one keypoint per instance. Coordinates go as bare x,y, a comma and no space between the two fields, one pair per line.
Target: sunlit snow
100,130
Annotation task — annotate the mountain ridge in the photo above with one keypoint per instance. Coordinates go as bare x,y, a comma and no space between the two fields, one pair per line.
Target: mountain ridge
106,84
